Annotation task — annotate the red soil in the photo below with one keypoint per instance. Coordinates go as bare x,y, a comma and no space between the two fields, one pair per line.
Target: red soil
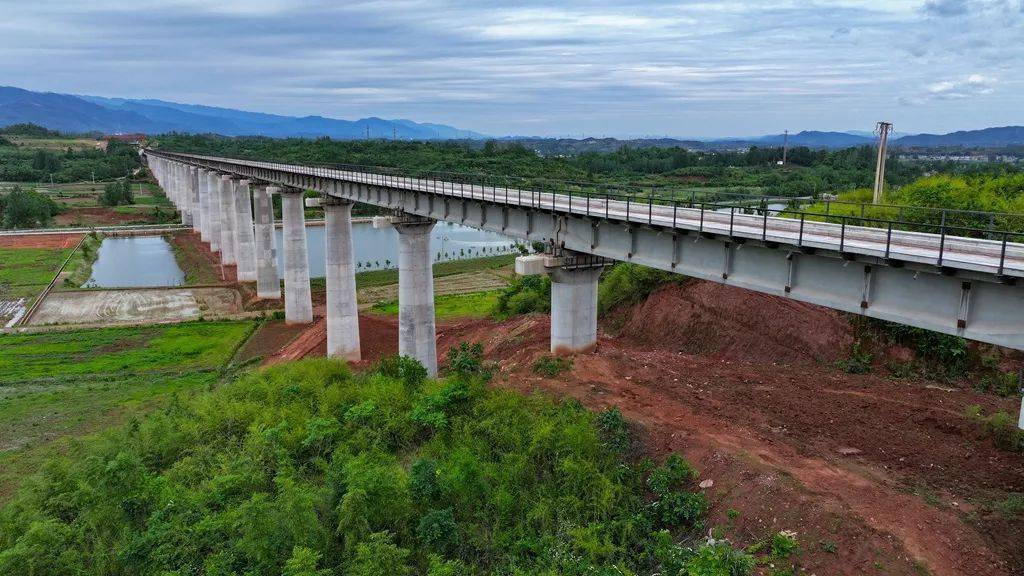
733,323
101,216
876,475
200,255
41,241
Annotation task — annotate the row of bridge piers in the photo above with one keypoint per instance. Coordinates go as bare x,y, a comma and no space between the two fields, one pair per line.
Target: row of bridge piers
235,217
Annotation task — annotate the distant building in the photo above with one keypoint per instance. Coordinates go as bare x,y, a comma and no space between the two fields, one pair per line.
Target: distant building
126,138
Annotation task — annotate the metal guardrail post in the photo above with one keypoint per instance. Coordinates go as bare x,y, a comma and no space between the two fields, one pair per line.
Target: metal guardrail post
942,238
1002,254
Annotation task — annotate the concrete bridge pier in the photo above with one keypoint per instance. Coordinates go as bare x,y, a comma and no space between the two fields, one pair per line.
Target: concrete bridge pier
245,240
184,195
416,329
574,277
227,220
268,285
197,213
298,299
204,195
574,310
214,223
342,308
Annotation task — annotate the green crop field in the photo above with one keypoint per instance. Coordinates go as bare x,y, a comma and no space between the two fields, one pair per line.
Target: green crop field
475,304
30,266
55,386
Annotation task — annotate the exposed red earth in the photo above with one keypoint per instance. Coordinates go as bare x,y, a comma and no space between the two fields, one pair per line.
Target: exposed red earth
876,475
40,241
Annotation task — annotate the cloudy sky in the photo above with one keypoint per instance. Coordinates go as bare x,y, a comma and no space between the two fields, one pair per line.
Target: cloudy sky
597,68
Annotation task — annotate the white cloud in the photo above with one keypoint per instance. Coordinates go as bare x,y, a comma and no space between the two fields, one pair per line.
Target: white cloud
973,85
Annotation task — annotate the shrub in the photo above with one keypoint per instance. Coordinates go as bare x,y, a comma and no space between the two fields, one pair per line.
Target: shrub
551,366
306,469
859,361
404,368
1001,427
525,294
625,283
467,360
614,430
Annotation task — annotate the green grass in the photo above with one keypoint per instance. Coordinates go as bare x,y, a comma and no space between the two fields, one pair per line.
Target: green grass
387,277
57,386
30,266
118,351
451,305
79,269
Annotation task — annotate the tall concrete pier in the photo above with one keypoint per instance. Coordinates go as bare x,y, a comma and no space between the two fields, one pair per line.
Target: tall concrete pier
197,213
574,310
227,220
245,239
416,330
214,223
268,285
204,205
298,300
342,310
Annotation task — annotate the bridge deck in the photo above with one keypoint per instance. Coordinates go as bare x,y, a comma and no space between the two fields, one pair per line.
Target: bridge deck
981,255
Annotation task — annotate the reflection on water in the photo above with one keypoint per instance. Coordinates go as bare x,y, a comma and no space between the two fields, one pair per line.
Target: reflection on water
377,248
135,261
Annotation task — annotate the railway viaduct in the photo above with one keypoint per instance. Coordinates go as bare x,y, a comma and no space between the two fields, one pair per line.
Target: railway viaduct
945,279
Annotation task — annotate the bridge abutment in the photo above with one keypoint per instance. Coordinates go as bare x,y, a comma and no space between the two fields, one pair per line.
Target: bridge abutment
298,300
342,309
416,327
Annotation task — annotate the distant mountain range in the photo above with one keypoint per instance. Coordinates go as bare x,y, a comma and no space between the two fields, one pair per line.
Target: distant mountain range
69,113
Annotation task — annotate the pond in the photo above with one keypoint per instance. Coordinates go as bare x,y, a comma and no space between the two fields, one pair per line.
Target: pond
377,248
135,262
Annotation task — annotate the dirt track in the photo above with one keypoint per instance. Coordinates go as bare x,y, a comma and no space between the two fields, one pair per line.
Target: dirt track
876,475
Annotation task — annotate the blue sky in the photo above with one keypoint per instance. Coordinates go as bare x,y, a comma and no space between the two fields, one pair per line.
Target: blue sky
700,69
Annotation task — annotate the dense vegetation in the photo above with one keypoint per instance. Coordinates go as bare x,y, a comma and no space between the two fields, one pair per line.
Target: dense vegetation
26,209
981,191
28,164
306,469
755,170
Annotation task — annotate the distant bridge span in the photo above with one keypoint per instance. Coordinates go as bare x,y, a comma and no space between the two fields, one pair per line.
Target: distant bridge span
939,281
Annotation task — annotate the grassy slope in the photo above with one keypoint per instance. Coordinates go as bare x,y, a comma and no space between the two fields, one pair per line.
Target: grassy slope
58,385
452,305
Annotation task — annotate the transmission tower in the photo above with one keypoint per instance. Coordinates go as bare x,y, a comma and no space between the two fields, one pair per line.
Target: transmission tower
882,129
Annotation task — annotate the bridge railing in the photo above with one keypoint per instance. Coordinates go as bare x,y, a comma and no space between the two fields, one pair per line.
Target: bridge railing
639,204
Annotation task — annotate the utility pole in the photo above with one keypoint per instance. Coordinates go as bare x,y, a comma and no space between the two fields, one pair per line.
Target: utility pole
882,129
785,146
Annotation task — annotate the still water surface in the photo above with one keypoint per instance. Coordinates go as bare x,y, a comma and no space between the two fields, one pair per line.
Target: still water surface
377,248
142,261
135,262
